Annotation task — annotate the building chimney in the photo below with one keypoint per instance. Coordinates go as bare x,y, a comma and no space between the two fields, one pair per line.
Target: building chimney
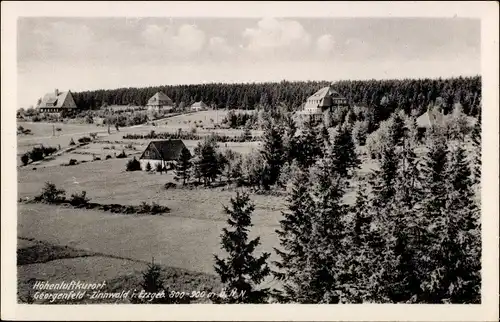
56,91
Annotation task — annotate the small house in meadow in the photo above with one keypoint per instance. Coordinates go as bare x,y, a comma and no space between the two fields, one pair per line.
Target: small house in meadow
160,101
57,102
165,152
199,106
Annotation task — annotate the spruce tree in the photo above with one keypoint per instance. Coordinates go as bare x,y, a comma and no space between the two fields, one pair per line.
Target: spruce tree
382,179
290,139
454,255
324,139
344,157
397,127
241,271
207,164
309,148
152,282
326,266
273,153
434,172
476,143
183,166
294,233
148,167
365,246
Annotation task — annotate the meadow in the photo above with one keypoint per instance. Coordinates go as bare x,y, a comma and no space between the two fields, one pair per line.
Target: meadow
182,241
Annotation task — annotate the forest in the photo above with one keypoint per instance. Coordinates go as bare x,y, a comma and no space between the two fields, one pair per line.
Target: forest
384,95
411,235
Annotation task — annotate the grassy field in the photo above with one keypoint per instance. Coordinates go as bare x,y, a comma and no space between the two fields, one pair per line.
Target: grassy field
43,261
42,132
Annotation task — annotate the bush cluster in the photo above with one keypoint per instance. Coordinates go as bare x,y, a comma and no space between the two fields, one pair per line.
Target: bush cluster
192,136
37,154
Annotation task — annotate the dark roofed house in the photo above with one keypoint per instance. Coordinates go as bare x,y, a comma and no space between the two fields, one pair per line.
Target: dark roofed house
57,102
165,152
160,101
199,106
321,102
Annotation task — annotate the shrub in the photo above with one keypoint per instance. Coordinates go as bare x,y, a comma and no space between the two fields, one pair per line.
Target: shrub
144,207
79,199
50,194
159,168
84,139
25,158
108,157
156,208
36,154
72,162
169,185
72,142
121,155
93,135
48,150
148,167
58,129
133,165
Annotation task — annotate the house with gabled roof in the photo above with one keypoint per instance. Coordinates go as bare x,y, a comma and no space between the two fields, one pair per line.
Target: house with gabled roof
199,106
57,102
432,117
323,101
160,101
165,152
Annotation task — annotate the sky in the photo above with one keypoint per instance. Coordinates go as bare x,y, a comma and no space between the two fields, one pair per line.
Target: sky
93,53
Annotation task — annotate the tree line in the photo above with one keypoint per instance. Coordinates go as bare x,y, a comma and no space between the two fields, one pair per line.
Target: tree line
384,95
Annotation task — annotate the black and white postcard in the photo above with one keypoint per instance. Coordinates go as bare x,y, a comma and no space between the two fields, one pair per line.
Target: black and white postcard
329,160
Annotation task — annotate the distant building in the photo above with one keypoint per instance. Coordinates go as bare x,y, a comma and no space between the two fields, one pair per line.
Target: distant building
430,118
57,102
199,106
165,152
323,101
160,101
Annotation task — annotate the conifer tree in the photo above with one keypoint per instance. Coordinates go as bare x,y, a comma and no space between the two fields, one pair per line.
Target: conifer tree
365,247
434,172
183,166
324,139
323,276
383,179
273,153
454,255
207,164
148,167
294,233
152,282
241,271
309,150
159,167
343,152
290,139
476,143
397,127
